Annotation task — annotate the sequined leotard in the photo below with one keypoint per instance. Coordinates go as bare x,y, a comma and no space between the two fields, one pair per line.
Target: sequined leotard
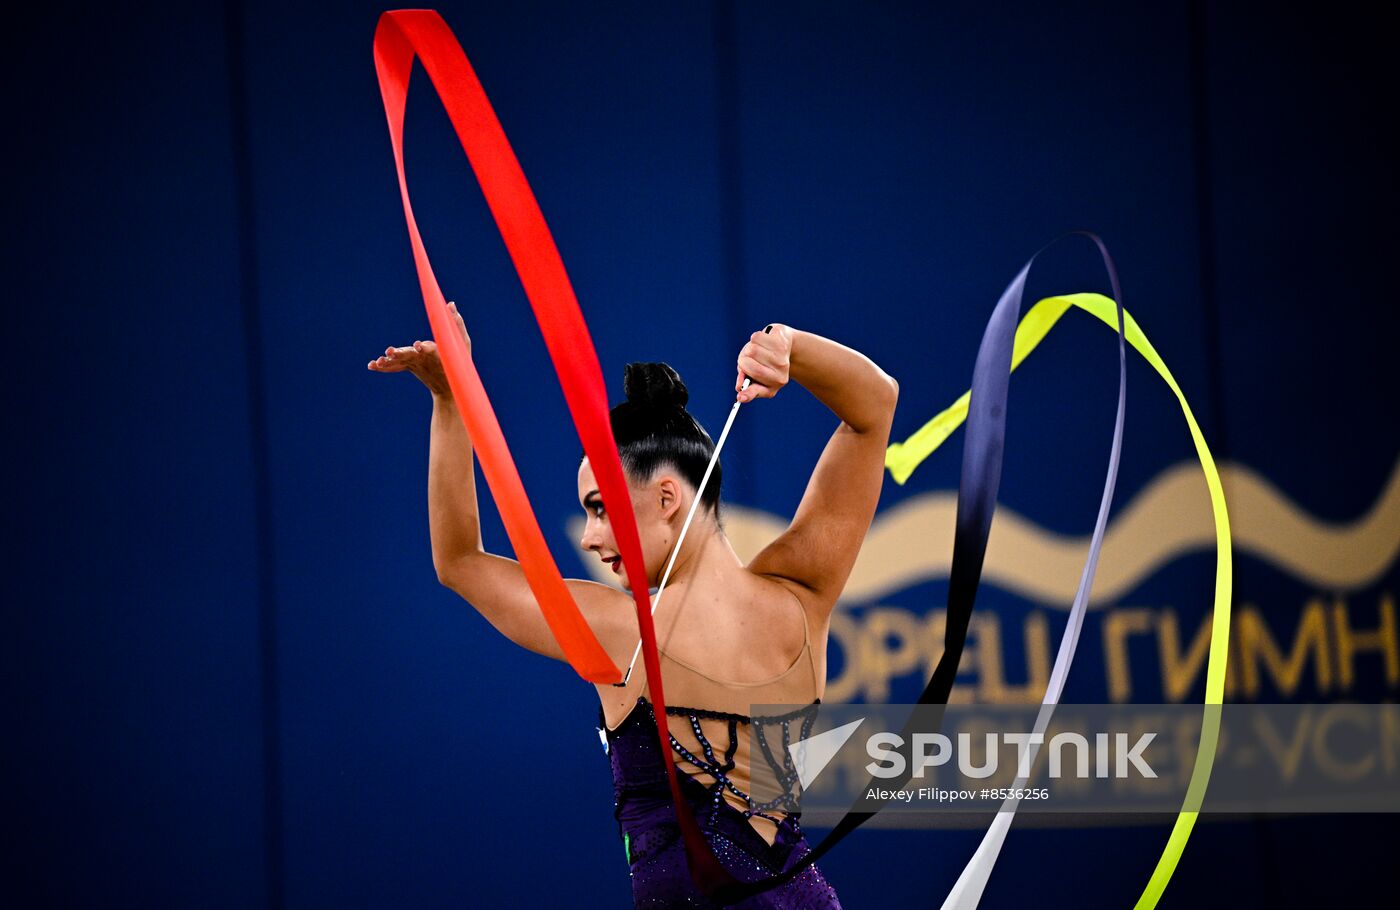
712,750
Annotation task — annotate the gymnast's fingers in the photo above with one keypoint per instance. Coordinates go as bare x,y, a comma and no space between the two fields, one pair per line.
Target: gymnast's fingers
461,325
761,373
757,390
775,345
762,364
393,360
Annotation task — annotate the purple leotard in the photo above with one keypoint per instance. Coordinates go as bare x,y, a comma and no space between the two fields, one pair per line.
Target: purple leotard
647,820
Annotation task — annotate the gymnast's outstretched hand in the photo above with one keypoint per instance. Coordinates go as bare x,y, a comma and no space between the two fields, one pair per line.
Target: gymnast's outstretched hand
421,359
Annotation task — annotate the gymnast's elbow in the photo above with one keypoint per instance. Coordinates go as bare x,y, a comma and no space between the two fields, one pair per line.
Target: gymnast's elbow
493,585
884,396
889,392
454,573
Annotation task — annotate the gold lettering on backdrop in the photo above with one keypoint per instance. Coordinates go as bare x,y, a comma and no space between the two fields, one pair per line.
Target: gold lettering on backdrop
1326,651
882,643
992,686
1257,646
1117,627
1323,751
1179,673
1253,645
1381,639
895,636
1286,755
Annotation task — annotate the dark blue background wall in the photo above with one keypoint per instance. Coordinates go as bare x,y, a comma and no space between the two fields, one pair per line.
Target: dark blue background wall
231,677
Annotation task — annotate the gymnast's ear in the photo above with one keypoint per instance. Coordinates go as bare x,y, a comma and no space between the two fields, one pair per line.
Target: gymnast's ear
668,491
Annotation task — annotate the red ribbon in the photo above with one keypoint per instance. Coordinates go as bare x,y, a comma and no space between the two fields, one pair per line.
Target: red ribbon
400,36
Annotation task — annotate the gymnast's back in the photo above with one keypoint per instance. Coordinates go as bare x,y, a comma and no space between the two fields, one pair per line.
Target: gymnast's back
735,770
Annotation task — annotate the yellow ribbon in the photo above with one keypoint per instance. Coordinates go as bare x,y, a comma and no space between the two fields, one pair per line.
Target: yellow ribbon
902,458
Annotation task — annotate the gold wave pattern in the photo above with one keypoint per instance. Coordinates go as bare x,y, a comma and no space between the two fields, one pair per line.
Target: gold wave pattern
1168,518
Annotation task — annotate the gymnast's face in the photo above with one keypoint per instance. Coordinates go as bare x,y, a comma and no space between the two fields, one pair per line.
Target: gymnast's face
656,503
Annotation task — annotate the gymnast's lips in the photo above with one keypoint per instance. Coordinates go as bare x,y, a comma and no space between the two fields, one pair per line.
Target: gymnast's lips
616,563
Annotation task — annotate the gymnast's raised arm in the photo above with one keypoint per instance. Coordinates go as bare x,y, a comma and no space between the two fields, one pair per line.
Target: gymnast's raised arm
494,585
816,553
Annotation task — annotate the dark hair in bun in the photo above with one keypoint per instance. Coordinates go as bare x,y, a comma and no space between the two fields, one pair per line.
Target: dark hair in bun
653,428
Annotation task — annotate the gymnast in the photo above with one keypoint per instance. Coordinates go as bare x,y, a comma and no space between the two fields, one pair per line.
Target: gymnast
730,635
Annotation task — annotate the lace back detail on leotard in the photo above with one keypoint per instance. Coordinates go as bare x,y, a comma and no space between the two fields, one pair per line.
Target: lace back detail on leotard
778,788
